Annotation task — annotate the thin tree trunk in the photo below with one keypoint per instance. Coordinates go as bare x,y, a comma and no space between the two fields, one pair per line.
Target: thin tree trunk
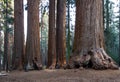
107,14
119,32
0,59
60,32
5,60
52,35
68,36
18,34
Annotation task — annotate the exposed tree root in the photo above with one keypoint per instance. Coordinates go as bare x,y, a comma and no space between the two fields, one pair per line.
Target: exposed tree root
95,58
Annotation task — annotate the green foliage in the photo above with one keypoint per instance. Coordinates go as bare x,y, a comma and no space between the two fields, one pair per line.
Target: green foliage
6,14
72,2
69,27
111,30
6,21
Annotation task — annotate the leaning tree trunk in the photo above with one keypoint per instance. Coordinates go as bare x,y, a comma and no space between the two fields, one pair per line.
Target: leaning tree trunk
33,36
89,39
52,34
60,32
18,34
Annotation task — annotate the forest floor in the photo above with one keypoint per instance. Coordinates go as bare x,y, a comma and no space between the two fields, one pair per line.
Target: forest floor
61,75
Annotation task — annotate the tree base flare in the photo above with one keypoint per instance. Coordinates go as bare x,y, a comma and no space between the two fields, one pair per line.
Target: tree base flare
52,66
96,58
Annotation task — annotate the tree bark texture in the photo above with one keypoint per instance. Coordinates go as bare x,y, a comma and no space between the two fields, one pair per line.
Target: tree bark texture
60,32
18,34
88,48
52,36
33,35
89,26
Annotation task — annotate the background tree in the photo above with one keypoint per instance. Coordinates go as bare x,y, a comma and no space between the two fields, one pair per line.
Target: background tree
8,27
33,36
119,32
68,26
44,30
5,61
18,34
111,24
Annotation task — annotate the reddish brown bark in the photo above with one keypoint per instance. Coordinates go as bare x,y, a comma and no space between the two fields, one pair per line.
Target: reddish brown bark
33,36
18,34
89,26
88,44
52,35
60,32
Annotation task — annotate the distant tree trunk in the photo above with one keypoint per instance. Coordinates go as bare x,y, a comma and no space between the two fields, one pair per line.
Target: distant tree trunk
68,26
0,49
10,50
119,32
52,35
60,32
107,14
18,34
33,36
9,53
6,35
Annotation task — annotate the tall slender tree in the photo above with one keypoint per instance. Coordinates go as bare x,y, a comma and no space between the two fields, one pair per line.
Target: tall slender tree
107,14
6,35
68,26
119,32
60,32
52,35
0,50
18,34
33,36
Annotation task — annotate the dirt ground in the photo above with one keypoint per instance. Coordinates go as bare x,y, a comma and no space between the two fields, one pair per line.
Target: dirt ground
61,75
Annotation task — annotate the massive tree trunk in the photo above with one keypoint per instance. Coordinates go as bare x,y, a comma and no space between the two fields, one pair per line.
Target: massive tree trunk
89,38
89,26
60,32
52,35
33,35
18,34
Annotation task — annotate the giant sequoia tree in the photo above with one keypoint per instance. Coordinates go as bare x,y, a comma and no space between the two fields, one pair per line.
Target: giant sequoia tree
33,36
89,26
60,32
18,34
52,34
89,38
